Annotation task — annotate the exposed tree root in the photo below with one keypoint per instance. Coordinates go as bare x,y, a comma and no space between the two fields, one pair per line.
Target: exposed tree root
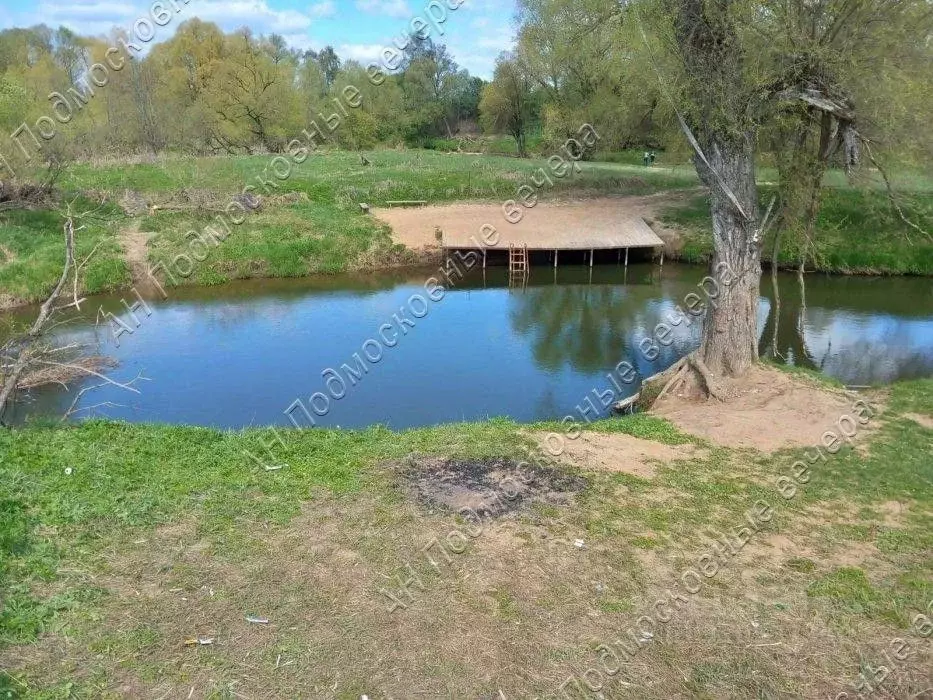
700,367
678,376
679,372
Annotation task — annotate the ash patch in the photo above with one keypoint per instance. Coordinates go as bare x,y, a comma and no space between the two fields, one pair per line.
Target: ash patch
490,487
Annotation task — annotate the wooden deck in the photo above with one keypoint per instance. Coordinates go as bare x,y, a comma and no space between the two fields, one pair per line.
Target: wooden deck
538,234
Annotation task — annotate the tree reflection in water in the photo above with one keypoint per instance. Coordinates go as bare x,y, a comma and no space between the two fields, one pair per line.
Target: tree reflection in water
593,328
857,330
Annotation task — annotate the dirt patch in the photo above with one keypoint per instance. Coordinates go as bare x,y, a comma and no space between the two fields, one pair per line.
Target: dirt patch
925,421
8,301
6,255
766,410
893,512
623,453
416,228
134,203
491,487
135,249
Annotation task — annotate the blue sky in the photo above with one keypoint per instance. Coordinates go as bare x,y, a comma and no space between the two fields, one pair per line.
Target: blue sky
475,33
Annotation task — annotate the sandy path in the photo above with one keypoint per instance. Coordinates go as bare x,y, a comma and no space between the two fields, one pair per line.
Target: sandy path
135,249
415,227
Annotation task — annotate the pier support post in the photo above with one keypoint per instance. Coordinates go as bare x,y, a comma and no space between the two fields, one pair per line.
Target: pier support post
626,258
555,259
662,257
591,257
484,258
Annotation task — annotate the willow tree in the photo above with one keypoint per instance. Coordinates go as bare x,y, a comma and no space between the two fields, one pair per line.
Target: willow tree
507,103
850,78
734,70
719,118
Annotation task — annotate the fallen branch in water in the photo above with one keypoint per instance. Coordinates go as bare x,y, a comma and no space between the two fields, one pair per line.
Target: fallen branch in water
72,409
25,345
62,373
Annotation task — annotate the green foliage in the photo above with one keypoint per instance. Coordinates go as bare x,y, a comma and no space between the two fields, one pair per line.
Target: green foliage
205,91
34,240
508,102
857,232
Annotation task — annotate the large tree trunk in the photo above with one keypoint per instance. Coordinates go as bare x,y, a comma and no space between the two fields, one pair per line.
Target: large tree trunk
730,328
723,135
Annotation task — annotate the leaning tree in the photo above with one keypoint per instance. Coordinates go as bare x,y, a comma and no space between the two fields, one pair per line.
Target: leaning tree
732,69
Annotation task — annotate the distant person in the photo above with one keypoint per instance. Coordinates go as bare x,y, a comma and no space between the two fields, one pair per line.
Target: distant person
646,158
652,156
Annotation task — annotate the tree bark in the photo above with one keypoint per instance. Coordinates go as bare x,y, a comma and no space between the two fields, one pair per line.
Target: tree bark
45,311
720,127
730,327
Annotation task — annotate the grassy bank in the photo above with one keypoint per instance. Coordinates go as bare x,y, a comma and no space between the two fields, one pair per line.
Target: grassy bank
313,223
32,253
858,232
120,542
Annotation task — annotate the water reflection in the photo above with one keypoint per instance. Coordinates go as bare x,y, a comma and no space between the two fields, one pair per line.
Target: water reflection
858,330
240,354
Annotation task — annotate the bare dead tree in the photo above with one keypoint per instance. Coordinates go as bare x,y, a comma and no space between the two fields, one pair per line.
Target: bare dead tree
27,359
23,347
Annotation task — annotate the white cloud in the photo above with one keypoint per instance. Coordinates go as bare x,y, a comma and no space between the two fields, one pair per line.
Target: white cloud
99,17
255,14
323,9
364,53
390,8
89,11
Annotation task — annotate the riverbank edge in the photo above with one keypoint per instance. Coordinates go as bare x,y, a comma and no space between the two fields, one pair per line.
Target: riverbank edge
423,258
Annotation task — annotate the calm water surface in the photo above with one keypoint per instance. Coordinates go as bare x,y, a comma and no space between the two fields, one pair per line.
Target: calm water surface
241,354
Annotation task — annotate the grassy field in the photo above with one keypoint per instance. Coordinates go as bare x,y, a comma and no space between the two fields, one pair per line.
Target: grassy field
313,223
121,542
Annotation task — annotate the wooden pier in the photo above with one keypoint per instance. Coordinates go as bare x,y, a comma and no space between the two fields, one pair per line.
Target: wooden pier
519,241
552,234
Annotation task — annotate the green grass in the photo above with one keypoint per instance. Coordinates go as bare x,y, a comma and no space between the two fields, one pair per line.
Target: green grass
35,239
640,425
76,501
323,231
858,232
338,178
284,241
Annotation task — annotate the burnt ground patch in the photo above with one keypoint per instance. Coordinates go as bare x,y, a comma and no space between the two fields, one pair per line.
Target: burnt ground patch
491,487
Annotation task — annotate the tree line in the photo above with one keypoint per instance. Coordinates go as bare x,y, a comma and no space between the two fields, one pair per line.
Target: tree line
206,91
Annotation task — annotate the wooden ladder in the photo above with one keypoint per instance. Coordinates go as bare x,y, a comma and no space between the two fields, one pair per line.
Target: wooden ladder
518,259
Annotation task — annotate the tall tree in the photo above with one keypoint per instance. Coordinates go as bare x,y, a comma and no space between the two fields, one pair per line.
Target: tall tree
718,118
329,62
507,103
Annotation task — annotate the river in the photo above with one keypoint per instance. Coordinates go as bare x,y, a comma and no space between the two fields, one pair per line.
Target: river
241,354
